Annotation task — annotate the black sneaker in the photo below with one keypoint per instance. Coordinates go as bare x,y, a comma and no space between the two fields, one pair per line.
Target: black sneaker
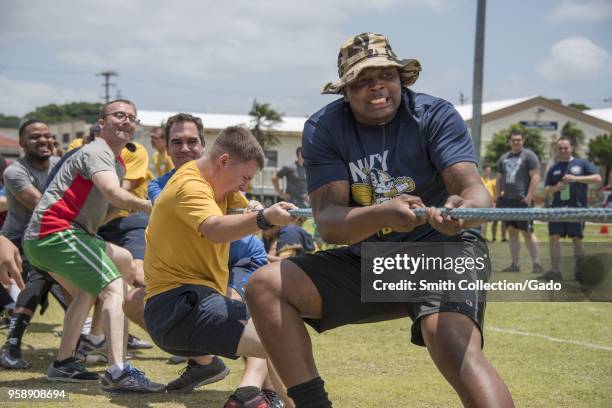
512,268
537,268
196,375
130,380
69,370
11,358
551,276
135,343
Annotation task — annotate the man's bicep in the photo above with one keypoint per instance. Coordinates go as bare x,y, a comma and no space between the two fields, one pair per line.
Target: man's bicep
333,193
460,176
105,181
28,197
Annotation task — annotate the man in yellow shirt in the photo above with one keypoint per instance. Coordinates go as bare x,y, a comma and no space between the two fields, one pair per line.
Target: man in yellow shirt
490,184
162,162
186,262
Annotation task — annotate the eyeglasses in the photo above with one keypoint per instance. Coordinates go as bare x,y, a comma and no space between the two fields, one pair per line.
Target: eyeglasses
122,116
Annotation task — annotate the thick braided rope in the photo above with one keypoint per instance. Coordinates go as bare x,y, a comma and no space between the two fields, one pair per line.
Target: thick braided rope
510,214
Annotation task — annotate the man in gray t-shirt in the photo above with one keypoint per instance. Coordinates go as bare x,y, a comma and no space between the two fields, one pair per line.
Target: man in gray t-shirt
24,181
295,175
518,174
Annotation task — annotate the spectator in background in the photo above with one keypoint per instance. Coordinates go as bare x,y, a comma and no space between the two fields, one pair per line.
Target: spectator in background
162,163
567,183
518,174
489,182
295,175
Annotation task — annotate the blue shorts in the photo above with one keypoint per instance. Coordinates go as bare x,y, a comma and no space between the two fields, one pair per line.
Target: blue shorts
566,229
239,276
194,320
127,232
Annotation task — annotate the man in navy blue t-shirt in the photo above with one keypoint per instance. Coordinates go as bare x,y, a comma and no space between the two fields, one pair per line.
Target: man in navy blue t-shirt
371,157
567,182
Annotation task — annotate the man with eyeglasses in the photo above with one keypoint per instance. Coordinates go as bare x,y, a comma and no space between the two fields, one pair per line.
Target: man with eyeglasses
567,184
518,174
61,238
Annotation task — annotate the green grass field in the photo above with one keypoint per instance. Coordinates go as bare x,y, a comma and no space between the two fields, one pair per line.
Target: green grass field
549,354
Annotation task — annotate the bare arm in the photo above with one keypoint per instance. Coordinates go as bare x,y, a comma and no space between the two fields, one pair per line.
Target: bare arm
10,263
3,204
228,228
28,197
108,184
340,224
590,179
465,189
275,182
533,183
551,190
129,185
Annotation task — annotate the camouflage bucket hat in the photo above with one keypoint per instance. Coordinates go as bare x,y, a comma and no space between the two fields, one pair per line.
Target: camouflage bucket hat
369,50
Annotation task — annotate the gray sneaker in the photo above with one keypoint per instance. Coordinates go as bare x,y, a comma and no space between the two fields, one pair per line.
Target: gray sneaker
131,380
70,370
12,360
196,375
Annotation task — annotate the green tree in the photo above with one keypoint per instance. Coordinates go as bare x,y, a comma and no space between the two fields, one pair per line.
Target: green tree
263,122
580,106
499,143
600,152
54,113
574,134
7,121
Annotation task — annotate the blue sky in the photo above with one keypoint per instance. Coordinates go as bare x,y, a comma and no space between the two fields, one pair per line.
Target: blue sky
214,56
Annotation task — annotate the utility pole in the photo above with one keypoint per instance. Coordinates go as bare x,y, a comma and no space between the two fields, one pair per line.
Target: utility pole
107,84
478,74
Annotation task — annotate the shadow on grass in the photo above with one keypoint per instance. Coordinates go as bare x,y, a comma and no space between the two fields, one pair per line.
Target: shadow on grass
199,398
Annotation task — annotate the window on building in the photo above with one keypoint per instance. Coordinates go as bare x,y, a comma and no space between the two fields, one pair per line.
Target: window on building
66,138
271,158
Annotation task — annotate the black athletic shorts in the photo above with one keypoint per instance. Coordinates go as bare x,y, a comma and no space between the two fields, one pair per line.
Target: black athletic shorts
41,281
336,273
509,203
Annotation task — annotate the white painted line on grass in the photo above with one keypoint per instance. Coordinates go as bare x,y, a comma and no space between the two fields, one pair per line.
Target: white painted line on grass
549,338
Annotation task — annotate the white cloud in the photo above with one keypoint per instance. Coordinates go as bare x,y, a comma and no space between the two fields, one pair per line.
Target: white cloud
25,95
584,11
573,59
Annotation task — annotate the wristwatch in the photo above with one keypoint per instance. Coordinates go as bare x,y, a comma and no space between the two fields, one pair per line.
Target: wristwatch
262,224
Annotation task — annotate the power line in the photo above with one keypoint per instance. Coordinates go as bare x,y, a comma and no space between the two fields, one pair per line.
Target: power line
107,84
